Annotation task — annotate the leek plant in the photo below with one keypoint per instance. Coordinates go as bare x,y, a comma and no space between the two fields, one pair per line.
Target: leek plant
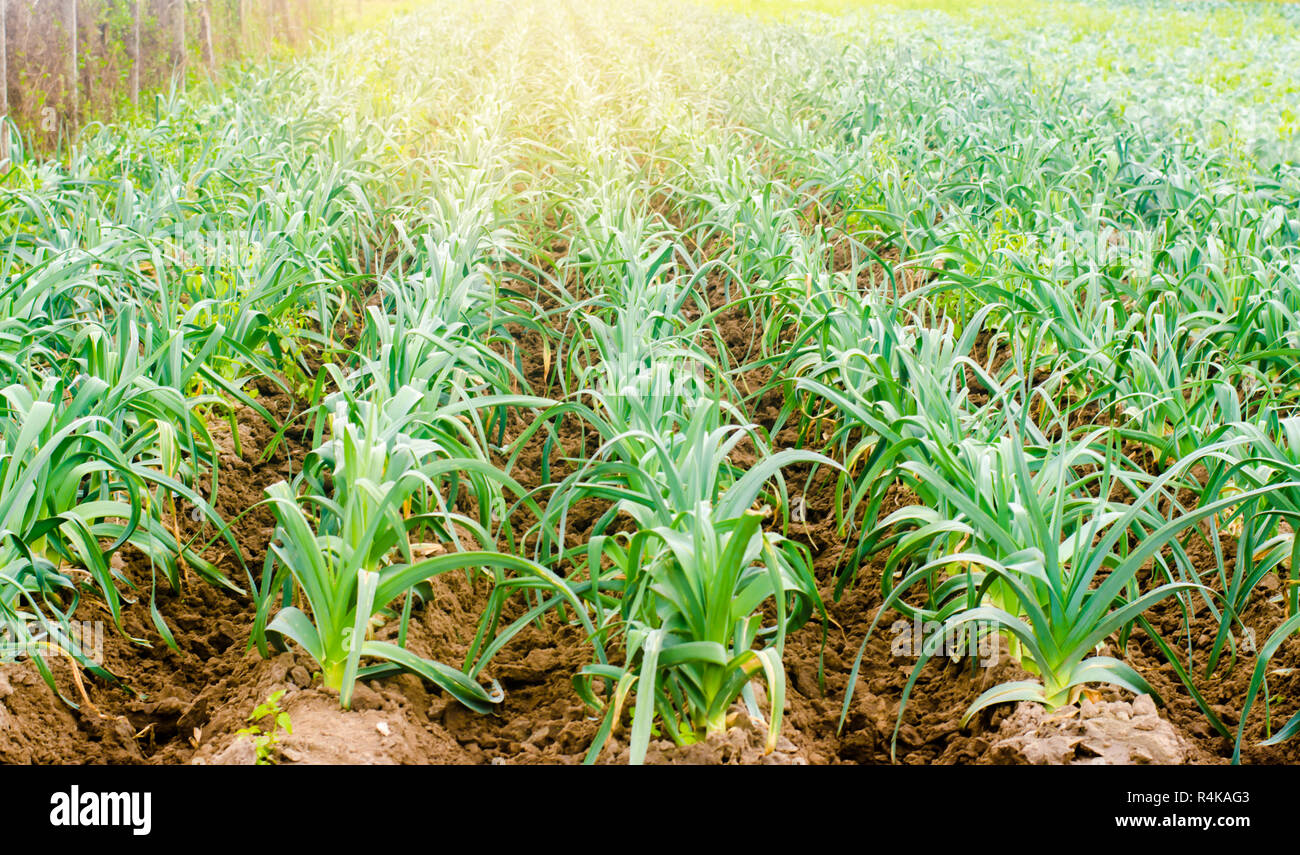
690,599
689,572
883,387
69,498
1056,574
348,551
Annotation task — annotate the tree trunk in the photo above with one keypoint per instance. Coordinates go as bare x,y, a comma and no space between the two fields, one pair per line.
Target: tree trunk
4,84
264,27
178,45
73,72
205,24
135,51
286,28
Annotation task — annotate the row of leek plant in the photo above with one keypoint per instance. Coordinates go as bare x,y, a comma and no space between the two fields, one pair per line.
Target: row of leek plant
148,282
403,454
1119,272
1037,529
687,553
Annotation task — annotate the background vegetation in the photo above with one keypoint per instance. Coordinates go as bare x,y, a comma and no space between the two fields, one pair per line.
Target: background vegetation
64,63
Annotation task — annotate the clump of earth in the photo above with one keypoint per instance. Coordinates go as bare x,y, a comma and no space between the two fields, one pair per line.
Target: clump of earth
1104,733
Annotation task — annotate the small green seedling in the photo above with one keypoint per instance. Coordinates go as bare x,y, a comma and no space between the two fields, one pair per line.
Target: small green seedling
264,742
